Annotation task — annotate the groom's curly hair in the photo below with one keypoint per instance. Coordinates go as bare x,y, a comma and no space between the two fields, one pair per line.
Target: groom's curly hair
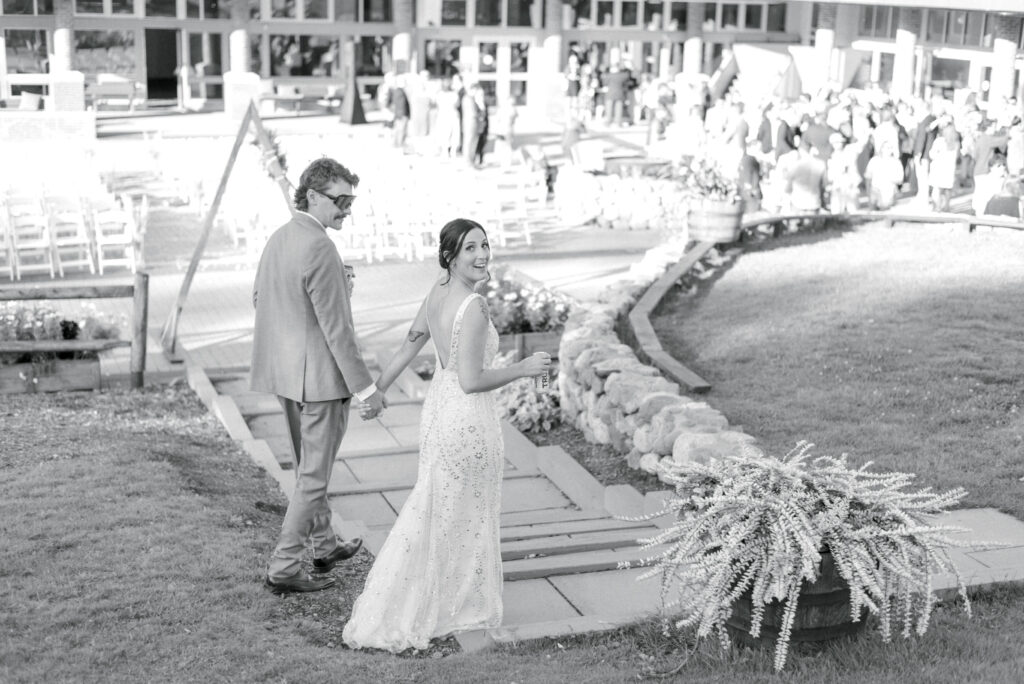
318,176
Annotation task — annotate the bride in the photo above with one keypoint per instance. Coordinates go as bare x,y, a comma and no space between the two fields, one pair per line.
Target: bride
439,570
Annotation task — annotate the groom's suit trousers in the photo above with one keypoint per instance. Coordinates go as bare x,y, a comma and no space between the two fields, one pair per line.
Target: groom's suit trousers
315,429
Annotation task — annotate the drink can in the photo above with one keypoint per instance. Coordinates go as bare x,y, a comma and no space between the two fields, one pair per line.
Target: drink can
541,381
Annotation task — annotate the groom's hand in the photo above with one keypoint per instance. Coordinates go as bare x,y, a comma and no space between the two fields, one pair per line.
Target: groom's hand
373,406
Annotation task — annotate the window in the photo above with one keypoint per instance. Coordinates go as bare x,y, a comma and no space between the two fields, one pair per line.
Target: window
517,93
346,10
519,12
520,58
777,17
373,55
282,9
730,17
487,58
605,13
581,13
19,7
95,7
980,29
677,16
629,14
303,55
453,13
878,22
935,31
122,6
110,52
753,17
159,8
652,14
377,10
710,16
315,9
441,56
26,51
488,12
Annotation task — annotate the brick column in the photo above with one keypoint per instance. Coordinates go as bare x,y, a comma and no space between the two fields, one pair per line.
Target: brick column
401,45
238,39
1004,52
825,38
63,45
693,48
908,27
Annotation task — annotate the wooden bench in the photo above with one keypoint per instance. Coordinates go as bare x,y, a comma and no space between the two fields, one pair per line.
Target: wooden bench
137,289
111,90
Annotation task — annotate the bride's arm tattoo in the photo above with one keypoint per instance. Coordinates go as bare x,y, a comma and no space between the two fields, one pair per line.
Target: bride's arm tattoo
483,308
414,335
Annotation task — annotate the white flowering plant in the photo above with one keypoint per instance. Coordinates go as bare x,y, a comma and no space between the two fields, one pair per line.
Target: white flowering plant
27,323
520,308
756,526
704,179
528,407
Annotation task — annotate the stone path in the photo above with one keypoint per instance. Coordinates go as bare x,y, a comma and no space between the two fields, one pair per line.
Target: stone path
560,543
562,532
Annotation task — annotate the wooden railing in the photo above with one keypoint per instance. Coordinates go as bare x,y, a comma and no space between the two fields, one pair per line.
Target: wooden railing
137,290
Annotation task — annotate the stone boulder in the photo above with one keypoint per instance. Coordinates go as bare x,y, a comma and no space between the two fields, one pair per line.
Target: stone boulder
583,365
654,402
671,421
700,447
626,389
649,463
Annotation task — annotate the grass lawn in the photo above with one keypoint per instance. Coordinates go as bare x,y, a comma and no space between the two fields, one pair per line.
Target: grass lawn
136,535
899,346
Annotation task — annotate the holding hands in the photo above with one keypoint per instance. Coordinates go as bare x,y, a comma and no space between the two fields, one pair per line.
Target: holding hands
373,406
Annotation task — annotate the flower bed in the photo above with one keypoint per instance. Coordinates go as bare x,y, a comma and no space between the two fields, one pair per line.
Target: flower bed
620,203
518,307
51,371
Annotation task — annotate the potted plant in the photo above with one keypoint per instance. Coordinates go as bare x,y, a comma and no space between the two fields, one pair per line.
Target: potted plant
800,548
37,371
716,206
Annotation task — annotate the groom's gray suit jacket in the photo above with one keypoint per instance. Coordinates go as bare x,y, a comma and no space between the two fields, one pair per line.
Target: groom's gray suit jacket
304,343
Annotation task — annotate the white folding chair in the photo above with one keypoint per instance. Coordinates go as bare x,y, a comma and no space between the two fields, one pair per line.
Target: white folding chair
31,243
72,244
6,251
115,239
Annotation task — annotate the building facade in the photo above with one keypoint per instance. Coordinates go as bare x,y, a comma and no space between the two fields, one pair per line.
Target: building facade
516,48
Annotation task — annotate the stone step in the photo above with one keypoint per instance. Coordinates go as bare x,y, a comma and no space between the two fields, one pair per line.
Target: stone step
550,515
406,483
573,544
571,527
572,563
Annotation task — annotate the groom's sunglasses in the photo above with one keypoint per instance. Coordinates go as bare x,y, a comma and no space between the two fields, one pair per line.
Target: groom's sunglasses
343,202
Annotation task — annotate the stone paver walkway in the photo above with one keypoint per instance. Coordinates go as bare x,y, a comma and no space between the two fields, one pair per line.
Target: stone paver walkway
563,535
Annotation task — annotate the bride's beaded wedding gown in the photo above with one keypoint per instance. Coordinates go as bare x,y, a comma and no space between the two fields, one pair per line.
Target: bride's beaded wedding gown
439,570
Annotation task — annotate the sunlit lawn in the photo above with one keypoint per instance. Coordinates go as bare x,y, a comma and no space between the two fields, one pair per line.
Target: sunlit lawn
901,346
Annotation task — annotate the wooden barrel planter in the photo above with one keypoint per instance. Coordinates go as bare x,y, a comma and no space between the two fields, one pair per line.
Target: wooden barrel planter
822,613
528,343
715,220
50,376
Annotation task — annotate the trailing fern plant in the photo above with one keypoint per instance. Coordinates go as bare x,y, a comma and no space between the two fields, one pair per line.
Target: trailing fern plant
757,524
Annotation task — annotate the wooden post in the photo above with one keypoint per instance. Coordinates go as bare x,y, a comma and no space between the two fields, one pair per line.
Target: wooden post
520,347
140,329
169,335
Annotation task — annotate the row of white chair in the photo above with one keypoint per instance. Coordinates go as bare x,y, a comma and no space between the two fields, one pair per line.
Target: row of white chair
52,234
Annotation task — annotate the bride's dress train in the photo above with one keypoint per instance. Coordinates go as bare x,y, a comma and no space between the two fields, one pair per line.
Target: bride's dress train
439,571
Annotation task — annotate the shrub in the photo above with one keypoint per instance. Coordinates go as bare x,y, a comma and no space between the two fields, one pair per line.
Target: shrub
523,404
519,308
24,323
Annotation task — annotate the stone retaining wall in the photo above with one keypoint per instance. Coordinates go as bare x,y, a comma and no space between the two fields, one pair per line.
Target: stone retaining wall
614,398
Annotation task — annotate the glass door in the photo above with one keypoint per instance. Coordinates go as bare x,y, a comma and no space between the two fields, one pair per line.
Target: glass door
502,67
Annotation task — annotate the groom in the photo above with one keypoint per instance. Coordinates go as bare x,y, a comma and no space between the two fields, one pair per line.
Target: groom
304,351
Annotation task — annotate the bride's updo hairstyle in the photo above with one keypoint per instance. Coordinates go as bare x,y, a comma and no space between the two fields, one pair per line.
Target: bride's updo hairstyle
450,241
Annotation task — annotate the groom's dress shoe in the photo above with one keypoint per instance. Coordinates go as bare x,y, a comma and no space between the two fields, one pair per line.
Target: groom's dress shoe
299,583
344,551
